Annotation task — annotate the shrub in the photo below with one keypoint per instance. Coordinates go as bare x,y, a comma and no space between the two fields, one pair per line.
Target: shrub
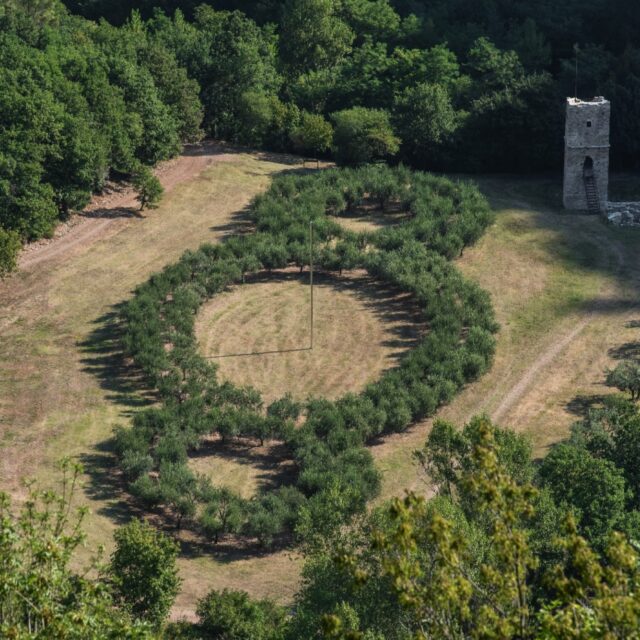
232,615
9,247
143,570
626,377
313,135
148,187
363,135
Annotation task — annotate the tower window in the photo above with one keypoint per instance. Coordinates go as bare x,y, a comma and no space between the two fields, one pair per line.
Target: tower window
588,123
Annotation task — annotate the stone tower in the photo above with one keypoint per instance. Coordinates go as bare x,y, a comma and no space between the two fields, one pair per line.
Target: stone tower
586,155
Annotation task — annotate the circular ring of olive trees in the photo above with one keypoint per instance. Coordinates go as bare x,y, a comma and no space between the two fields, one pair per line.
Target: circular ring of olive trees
326,440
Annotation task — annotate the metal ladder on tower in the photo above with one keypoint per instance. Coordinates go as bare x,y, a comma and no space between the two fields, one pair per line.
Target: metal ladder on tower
591,189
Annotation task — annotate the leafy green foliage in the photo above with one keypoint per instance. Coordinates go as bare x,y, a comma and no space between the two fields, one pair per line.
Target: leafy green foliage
232,615
143,571
502,69
9,247
441,85
78,101
313,36
467,565
426,122
601,458
313,135
223,513
591,486
148,187
334,474
363,135
40,595
626,377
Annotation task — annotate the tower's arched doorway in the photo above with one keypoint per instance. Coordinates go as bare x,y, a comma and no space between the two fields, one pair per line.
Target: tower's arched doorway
587,167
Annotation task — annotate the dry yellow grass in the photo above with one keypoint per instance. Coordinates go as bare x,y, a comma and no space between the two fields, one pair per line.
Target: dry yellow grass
361,329
564,288
367,222
62,388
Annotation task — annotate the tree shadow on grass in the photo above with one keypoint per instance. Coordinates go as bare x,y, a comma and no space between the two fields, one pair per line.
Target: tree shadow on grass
106,485
403,320
104,359
626,351
112,213
229,549
582,404
240,223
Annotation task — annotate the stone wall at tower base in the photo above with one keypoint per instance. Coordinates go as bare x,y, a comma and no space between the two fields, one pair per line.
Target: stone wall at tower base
623,214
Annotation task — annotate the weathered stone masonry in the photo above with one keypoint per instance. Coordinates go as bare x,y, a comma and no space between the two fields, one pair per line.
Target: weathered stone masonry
586,158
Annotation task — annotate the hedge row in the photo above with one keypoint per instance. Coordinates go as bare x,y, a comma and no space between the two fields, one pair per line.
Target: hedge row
334,474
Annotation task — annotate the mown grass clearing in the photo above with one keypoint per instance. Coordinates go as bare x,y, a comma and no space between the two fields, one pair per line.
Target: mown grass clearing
360,329
262,331
547,271
62,388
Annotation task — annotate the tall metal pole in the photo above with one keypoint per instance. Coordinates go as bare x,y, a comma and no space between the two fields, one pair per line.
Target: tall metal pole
311,278
576,48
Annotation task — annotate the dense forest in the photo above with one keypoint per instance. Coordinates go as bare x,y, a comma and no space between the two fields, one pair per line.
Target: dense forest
467,73
448,85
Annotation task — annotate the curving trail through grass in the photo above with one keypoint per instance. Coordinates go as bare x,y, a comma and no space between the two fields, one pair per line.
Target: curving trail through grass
565,288
547,271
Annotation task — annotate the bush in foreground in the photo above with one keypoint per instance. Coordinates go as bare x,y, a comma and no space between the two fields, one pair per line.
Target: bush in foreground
40,595
143,571
232,615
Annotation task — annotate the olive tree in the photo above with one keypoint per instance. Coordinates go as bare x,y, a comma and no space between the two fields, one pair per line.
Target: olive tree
626,377
148,187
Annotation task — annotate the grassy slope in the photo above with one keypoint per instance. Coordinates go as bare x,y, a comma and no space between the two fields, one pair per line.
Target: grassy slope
547,272
551,274
61,386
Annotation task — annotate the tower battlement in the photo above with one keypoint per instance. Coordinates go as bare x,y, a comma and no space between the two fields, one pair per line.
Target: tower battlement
586,154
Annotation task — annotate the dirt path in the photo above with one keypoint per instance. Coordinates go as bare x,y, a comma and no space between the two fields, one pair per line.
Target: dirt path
564,288
553,351
529,376
111,209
